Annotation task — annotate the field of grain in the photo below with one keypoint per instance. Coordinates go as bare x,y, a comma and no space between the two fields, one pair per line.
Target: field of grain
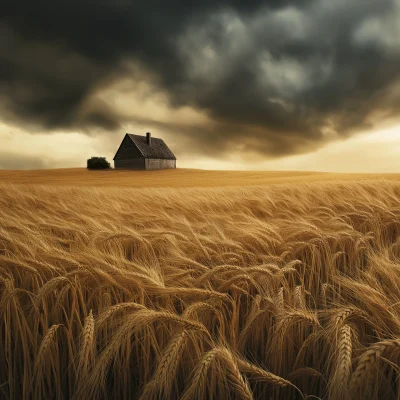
285,290
176,177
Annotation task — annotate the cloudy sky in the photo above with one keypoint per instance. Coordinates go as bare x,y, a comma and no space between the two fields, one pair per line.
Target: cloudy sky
281,84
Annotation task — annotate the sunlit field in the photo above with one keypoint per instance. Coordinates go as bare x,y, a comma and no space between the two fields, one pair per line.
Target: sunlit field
193,284
175,177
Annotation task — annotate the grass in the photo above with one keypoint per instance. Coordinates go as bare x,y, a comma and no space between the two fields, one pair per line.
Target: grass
278,291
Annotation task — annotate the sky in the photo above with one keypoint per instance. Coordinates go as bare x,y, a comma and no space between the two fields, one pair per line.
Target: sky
254,85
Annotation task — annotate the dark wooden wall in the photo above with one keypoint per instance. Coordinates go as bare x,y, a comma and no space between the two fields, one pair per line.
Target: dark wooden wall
152,163
132,163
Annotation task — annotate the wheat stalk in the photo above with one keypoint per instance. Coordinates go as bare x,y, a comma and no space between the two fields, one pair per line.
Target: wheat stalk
164,376
46,343
105,315
238,383
369,359
86,354
261,375
200,374
339,381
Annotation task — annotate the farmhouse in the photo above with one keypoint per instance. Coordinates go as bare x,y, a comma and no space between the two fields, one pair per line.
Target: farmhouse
143,152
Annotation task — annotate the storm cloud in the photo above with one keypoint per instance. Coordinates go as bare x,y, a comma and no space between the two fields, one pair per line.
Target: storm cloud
281,77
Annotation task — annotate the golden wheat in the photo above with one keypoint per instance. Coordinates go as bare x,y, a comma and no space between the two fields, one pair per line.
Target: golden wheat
339,380
284,290
86,355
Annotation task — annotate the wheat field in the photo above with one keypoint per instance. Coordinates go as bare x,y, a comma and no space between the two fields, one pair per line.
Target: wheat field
285,290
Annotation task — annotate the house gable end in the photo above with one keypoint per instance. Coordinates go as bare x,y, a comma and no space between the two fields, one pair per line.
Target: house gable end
127,150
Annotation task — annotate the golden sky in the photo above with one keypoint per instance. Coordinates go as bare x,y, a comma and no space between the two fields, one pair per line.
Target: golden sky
375,151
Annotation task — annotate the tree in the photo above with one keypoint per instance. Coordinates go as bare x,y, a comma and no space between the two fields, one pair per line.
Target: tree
98,163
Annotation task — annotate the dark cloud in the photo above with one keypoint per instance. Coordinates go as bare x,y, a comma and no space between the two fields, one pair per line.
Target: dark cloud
281,76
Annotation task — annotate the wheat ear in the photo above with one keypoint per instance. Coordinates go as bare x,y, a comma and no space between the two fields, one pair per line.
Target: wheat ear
339,382
368,360
200,373
46,342
166,369
87,348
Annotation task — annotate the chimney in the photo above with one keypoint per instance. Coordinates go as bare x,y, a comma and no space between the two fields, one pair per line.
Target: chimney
148,138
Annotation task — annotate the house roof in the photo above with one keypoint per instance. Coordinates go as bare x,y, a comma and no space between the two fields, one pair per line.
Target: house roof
158,148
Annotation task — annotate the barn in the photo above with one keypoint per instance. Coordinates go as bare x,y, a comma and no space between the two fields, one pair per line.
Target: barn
143,152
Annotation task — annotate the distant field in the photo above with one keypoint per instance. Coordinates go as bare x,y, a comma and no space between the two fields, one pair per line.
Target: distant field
174,178
190,284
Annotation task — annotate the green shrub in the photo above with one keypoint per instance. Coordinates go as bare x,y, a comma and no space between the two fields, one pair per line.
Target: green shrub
98,163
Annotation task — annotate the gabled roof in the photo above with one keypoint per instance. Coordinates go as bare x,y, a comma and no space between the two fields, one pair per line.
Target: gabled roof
158,148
